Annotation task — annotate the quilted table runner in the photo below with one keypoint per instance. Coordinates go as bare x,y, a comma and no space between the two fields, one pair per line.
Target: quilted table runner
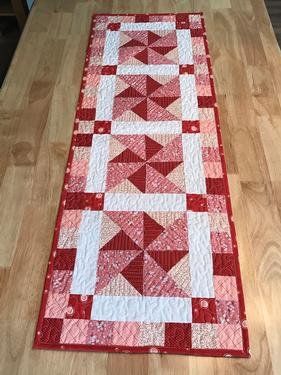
144,257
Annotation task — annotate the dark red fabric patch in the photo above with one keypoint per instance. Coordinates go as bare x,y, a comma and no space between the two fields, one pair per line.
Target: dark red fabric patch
178,335
79,307
109,70
190,127
83,140
142,18
86,114
196,203
182,21
223,264
205,101
196,32
204,310
102,127
65,259
114,26
51,331
215,186
82,201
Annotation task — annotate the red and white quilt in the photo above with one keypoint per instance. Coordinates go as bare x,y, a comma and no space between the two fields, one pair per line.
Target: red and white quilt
144,257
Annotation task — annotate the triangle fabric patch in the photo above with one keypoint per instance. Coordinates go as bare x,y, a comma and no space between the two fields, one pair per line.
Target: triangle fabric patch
130,92
134,273
130,222
127,156
163,50
139,179
151,85
119,286
151,229
172,151
121,242
152,37
167,259
141,109
157,183
142,56
174,237
151,147
110,264
157,282
134,43
118,172
164,167
181,274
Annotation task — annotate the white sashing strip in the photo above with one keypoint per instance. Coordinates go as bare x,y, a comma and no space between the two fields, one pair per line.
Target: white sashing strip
111,48
193,164
105,97
189,97
142,309
96,178
200,255
146,127
184,47
84,274
144,202
163,69
126,26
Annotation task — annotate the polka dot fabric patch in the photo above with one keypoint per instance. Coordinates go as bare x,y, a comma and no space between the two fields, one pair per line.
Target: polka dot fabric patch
144,256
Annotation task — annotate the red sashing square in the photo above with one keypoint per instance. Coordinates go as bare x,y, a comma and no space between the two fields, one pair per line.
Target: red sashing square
205,101
182,21
102,127
215,186
51,331
65,259
82,201
114,26
79,307
204,310
109,70
178,335
186,69
223,264
196,203
142,18
190,127
196,32
86,114
83,140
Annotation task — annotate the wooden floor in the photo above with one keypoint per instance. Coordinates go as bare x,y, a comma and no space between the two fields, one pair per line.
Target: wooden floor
37,105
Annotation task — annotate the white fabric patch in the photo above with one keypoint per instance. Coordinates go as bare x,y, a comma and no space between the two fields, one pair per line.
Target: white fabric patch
111,48
184,47
126,26
105,97
98,164
142,309
164,70
146,127
84,274
200,255
193,164
144,202
189,97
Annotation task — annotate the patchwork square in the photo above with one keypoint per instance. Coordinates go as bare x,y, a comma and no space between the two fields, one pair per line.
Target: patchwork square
144,256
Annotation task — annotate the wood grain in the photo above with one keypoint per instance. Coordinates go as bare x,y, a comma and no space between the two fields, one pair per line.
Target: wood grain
37,107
